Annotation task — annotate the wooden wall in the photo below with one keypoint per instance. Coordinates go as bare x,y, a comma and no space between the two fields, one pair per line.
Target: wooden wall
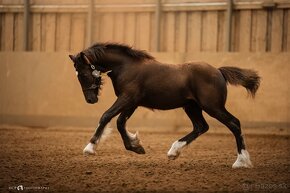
185,26
54,98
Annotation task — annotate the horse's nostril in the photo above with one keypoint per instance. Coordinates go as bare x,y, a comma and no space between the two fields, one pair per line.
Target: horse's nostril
92,100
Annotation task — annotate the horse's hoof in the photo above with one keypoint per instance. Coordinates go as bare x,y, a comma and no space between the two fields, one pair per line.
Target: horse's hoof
238,164
89,149
173,156
243,160
138,149
235,166
175,149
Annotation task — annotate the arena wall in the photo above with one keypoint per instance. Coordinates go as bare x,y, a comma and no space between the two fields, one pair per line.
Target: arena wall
41,89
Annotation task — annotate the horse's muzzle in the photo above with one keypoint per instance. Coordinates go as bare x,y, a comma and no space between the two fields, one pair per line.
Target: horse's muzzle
92,100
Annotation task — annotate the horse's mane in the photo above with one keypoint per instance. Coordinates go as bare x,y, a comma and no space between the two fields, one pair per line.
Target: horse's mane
96,51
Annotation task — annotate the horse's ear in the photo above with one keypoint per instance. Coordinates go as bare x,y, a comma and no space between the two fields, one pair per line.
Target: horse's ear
72,57
85,58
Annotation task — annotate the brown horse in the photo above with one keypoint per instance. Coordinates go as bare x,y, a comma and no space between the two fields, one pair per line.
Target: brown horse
140,80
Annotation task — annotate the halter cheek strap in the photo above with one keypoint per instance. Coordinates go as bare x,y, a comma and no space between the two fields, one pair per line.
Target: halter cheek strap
96,73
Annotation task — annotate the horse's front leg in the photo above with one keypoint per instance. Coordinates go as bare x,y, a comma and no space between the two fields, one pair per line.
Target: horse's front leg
131,141
114,110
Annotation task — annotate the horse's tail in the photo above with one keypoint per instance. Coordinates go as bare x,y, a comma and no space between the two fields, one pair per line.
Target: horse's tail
244,77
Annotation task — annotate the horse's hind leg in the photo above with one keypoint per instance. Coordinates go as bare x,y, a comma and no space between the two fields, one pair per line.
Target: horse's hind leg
131,141
233,124
194,112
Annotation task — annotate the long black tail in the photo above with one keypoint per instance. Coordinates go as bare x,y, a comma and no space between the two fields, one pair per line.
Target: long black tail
245,77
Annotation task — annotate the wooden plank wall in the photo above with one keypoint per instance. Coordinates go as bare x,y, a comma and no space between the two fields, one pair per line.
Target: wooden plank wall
183,29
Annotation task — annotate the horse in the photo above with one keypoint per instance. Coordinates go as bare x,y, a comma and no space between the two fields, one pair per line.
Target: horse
140,80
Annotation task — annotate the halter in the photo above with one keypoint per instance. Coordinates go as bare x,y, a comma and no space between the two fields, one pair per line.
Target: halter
96,74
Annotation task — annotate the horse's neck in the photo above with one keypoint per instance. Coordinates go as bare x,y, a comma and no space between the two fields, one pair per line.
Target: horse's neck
115,83
120,74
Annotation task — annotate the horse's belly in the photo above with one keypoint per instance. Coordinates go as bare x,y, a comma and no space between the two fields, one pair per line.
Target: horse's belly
162,106
164,101
166,92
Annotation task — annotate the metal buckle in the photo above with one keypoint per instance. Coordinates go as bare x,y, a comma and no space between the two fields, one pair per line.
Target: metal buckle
96,73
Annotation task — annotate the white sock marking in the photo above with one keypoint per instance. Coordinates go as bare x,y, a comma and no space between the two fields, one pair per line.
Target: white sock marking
175,149
134,138
89,149
243,160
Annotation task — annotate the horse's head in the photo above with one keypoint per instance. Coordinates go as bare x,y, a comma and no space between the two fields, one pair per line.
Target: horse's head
89,77
103,58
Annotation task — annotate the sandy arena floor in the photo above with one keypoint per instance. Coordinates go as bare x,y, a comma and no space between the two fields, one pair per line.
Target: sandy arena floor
51,160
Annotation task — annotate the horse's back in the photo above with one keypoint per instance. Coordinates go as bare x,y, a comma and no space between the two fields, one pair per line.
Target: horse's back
171,86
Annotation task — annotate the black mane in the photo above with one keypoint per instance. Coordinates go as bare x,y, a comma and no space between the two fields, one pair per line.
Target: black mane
96,51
